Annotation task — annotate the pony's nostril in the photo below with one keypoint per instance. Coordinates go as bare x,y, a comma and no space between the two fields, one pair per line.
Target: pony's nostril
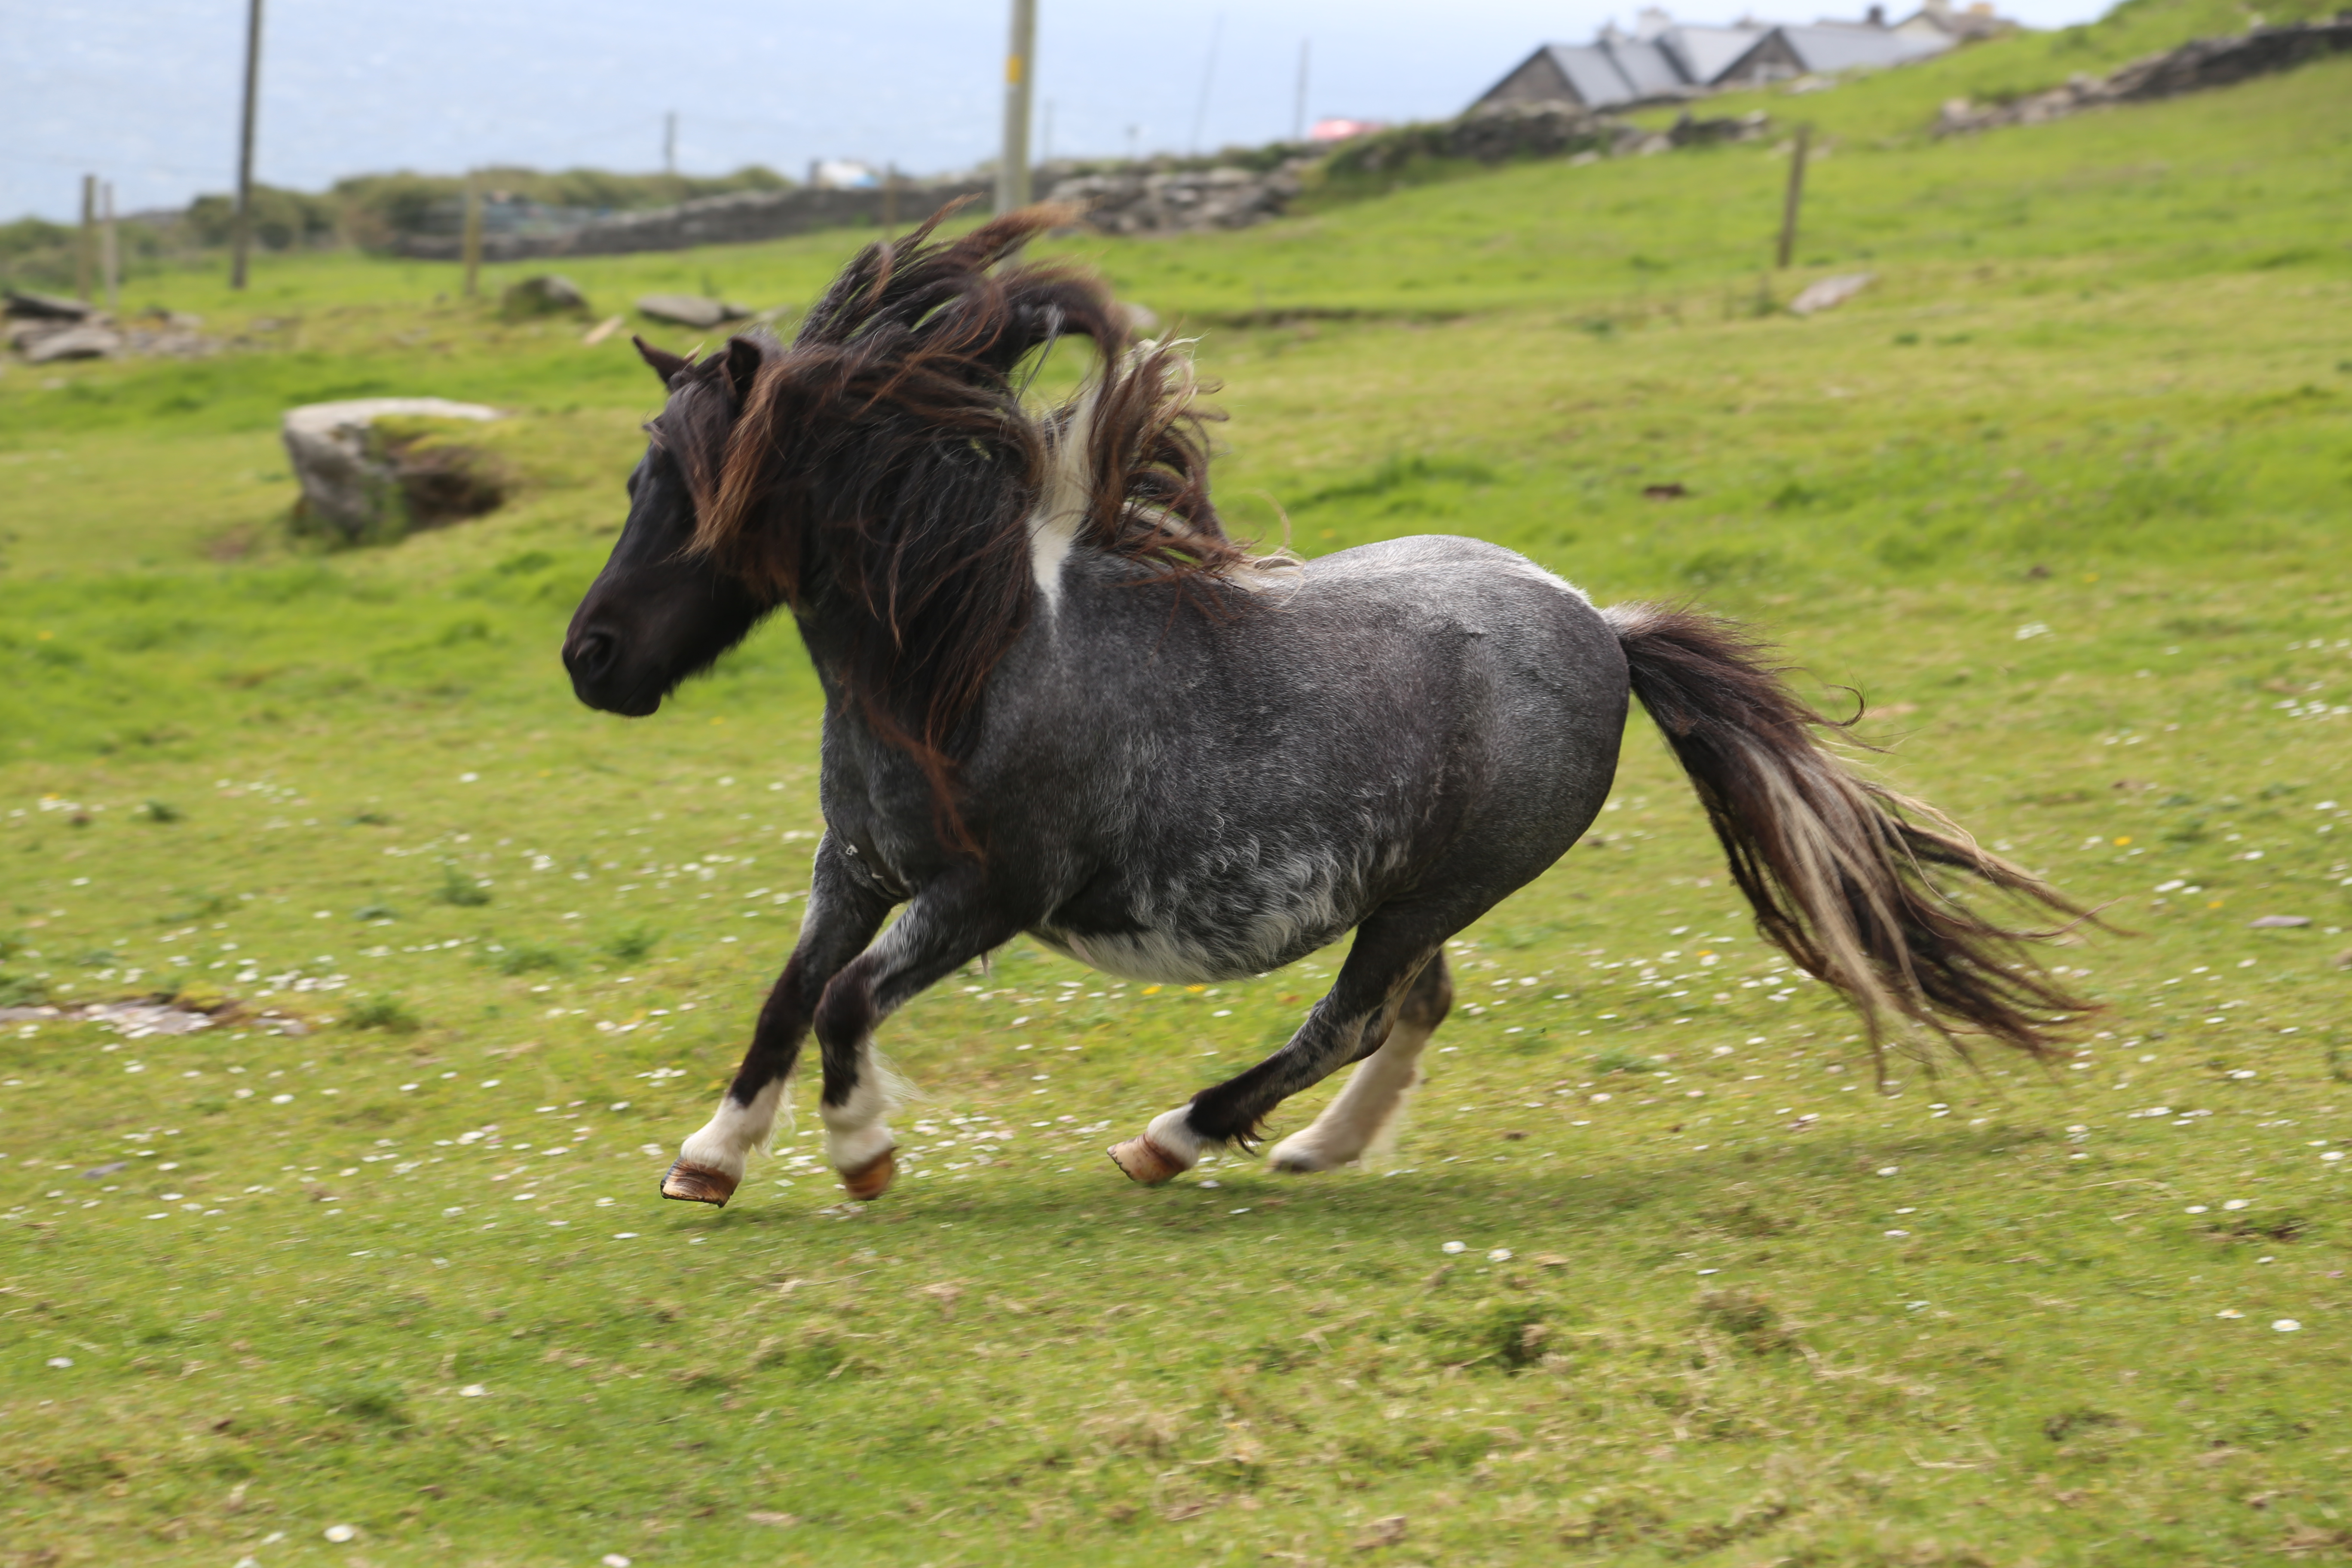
589,654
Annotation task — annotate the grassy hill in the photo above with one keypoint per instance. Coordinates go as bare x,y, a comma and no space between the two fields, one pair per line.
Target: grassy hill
2063,494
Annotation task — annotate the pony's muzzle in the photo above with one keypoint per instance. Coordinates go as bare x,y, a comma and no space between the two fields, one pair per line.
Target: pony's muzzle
589,655
592,658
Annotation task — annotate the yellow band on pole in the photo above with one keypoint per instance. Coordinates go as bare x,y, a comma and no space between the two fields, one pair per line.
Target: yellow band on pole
1012,70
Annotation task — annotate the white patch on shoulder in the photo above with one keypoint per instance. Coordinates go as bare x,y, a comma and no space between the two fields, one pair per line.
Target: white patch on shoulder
1052,536
1067,495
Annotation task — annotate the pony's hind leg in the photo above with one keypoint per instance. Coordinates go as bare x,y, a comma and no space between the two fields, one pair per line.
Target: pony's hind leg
1346,1025
1375,1092
842,916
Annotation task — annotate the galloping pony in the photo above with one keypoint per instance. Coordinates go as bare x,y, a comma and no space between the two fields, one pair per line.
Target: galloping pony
1061,699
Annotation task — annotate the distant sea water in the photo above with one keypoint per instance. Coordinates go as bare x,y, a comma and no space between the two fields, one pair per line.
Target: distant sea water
144,92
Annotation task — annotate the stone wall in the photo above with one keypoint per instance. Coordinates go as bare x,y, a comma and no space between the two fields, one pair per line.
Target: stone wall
1145,201
738,219
2193,67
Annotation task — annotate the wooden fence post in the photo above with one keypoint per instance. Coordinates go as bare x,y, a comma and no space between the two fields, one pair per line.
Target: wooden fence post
86,242
109,250
1796,196
241,237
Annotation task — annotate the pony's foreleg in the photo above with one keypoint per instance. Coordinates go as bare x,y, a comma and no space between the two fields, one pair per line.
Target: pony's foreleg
1375,1091
946,926
844,913
1346,1025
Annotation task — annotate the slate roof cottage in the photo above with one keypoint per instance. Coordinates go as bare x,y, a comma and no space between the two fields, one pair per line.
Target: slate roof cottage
1662,60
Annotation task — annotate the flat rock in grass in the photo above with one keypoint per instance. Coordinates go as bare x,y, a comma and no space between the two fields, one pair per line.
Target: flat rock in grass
358,487
86,342
690,310
134,1020
1830,293
2279,922
26,306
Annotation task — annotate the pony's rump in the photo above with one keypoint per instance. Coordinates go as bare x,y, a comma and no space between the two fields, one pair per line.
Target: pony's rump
1843,872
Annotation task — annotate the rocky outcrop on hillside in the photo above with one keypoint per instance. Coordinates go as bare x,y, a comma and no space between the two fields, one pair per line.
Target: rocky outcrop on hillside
2193,67
1142,200
1501,132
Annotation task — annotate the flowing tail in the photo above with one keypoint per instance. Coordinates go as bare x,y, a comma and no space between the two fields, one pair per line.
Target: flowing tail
1840,868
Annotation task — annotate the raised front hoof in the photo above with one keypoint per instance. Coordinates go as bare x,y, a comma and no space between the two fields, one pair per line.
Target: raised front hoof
872,1179
1146,1162
698,1185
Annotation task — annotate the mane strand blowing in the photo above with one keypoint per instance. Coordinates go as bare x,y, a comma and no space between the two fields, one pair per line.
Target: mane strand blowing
1838,868
884,463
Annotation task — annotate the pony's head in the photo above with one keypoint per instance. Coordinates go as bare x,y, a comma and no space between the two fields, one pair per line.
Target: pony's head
661,610
880,478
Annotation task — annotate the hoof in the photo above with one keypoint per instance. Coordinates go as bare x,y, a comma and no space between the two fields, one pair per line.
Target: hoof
698,1185
872,1179
1296,1162
1146,1162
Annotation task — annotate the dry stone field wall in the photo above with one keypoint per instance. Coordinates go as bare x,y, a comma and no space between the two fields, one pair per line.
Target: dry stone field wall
738,219
2193,67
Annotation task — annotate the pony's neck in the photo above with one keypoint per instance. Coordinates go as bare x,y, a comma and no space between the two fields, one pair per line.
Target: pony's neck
912,592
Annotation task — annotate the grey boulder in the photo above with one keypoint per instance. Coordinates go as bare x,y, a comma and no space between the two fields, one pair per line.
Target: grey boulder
87,342
690,311
549,294
358,487
26,306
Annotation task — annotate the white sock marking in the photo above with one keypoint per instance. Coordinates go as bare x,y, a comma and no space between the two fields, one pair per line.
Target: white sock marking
1174,1135
1363,1112
856,1133
735,1131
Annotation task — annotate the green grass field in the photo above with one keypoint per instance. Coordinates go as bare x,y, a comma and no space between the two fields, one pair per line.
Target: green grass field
2064,494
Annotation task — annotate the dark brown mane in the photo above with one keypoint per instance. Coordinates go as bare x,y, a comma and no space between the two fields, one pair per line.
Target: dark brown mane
883,464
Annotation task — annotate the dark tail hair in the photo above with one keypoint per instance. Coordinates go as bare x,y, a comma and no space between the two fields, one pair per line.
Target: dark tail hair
1840,868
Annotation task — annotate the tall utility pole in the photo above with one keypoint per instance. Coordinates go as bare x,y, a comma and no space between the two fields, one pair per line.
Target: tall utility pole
1299,111
669,143
241,237
1013,168
1208,79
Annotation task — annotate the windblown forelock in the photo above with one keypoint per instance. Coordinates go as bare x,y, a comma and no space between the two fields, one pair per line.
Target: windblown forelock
686,433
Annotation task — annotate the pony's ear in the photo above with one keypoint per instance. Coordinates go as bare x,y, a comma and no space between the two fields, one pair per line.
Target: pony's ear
742,367
665,365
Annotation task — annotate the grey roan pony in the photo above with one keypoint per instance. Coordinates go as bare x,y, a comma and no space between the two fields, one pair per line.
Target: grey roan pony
1059,700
